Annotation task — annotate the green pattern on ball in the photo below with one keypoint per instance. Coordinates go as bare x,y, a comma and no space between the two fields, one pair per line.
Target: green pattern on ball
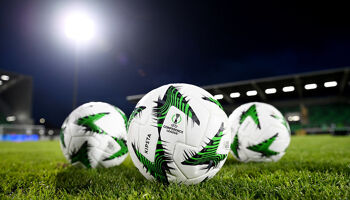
213,101
174,98
81,155
251,112
62,137
283,121
264,146
89,123
235,146
159,168
207,156
122,151
137,111
123,115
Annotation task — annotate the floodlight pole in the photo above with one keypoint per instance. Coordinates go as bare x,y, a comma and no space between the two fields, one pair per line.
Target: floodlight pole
76,74
79,28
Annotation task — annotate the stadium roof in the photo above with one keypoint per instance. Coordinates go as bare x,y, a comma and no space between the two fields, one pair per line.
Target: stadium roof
9,79
15,97
302,87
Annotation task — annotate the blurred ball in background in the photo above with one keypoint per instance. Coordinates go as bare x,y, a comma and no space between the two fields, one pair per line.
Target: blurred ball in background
260,133
94,135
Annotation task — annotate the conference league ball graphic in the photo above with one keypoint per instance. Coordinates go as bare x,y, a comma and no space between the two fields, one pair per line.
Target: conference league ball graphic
178,133
94,135
260,133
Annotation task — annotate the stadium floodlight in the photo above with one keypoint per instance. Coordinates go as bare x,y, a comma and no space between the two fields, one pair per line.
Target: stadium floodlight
41,132
296,118
330,84
218,96
293,118
288,89
235,95
5,77
252,93
42,120
50,132
11,118
310,86
270,91
79,26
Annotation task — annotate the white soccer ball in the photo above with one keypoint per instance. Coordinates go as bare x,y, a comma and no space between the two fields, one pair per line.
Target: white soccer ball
178,133
260,133
94,135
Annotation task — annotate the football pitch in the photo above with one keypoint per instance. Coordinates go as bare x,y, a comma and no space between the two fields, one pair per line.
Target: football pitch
314,167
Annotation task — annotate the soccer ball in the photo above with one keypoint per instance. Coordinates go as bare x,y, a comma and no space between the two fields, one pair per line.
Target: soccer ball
259,133
178,133
94,135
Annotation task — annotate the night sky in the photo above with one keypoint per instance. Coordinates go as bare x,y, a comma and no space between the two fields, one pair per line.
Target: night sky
142,45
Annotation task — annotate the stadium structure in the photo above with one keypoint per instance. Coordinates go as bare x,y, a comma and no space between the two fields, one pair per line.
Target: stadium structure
16,122
316,102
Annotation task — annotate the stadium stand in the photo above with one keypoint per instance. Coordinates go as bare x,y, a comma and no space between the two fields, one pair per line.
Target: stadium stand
16,123
316,102
15,98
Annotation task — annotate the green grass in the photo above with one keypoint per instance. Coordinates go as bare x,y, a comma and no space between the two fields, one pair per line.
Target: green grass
314,167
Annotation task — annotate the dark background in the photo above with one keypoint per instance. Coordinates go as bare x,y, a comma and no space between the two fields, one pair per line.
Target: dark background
145,44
